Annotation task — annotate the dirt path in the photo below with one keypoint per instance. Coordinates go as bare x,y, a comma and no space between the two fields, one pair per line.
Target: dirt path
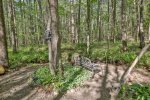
17,85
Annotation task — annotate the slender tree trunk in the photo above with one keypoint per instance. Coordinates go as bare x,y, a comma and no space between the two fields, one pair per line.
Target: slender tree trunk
3,43
108,11
13,26
149,32
137,20
79,20
148,10
99,21
114,19
123,28
55,40
72,23
141,32
41,20
88,25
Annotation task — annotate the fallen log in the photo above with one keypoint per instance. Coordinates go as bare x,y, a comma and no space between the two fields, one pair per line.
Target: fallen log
127,73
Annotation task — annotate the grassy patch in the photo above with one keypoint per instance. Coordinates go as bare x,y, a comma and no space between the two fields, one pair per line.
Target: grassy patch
39,54
116,55
135,92
73,76
28,55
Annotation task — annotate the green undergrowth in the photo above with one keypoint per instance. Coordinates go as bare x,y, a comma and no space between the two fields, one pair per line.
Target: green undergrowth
73,76
135,92
115,55
26,55
98,51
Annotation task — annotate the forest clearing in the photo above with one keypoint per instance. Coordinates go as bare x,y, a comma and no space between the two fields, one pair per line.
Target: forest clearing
74,49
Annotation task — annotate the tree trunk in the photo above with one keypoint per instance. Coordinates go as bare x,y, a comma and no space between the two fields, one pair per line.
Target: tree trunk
55,40
112,19
73,35
99,21
88,25
13,26
149,32
148,10
79,20
123,28
141,32
3,43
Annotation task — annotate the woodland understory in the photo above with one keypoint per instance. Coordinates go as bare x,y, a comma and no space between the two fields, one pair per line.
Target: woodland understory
74,49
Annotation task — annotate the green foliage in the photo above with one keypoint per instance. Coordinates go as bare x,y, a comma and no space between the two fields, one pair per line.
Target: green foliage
43,77
28,55
135,92
115,53
73,76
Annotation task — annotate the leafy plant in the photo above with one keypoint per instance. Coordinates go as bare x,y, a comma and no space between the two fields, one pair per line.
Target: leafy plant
135,92
73,76
28,55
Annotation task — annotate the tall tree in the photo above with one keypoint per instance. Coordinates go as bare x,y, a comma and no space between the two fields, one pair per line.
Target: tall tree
13,26
3,44
55,36
99,20
137,19
88,24
79,20
141,32
148,10
72,23
113,18
123,28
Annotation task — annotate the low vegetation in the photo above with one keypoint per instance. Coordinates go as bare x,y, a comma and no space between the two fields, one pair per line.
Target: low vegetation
73,76
28,55
135,92
98,52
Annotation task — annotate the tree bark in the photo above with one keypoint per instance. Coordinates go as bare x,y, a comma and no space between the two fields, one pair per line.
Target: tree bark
79,20
123,28
149,32
3,43
72,29
148,10
137,19
88,25
55,40
99,21
141,32
13,26
113,19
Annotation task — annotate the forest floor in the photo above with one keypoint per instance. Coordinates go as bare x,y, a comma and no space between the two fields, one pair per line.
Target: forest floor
17,85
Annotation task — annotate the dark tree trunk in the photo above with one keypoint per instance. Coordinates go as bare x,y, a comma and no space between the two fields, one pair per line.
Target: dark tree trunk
141,32
3,44
123,29
88,25
99,21
13,26
79,20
